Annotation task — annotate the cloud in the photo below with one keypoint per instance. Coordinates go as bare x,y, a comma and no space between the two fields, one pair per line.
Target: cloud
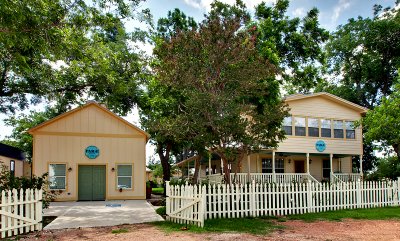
299,12
206,4
339,8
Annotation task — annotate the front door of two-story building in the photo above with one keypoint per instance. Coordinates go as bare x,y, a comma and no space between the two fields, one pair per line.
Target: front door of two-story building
91,183
299,166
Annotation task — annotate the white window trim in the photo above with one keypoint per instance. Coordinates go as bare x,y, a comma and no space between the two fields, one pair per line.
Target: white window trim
125,176
65,177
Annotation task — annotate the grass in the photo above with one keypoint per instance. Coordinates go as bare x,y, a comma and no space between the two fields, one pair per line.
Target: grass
121,230
157,190
161,211
257,226
368,214
265,225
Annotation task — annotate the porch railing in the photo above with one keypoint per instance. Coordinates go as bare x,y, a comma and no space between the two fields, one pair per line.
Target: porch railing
347,177
264,178
215,178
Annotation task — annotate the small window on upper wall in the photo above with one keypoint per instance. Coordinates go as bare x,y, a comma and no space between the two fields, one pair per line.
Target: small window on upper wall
12,168
350,131
326,128
287,125
124,178
338,129
300,126
313,127
57,176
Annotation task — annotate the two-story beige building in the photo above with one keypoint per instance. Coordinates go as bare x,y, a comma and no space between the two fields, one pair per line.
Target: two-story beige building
321,141
91,153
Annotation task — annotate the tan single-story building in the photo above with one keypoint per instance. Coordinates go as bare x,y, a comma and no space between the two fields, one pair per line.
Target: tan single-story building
14,160
320,142
91,153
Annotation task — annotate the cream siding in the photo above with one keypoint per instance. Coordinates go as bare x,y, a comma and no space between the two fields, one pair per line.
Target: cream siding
65,139
19,165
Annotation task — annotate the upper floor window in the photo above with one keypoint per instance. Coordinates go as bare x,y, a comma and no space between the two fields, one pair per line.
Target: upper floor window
300,126
313,127
338,129
326,128
350,131
287,125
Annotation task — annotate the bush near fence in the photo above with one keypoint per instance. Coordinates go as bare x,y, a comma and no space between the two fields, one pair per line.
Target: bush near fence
192,204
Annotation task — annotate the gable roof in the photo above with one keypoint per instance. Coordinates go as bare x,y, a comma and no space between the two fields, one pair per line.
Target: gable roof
11,152
328,96
89,103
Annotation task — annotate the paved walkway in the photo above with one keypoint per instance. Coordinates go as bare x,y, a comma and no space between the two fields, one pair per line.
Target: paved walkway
100,213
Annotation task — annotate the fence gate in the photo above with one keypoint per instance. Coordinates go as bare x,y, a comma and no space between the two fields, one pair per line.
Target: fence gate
20,212
186,204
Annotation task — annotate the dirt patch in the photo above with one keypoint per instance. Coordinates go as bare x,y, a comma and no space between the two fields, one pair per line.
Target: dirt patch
296,230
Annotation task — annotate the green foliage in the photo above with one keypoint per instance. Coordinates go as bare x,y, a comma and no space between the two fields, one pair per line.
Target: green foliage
162,211
386,168
384,120
292,44
62,49
157,190
9,182
257,226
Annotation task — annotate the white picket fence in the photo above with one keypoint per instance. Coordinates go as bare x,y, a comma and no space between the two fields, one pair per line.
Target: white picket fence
20,211
192,204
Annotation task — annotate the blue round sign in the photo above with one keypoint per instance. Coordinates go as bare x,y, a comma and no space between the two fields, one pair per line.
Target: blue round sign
320,146
92,152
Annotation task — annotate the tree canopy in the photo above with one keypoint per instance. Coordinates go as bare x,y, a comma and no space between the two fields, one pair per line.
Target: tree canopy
63,50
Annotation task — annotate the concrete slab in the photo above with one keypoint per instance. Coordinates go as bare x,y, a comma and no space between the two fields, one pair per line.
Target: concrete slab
100,213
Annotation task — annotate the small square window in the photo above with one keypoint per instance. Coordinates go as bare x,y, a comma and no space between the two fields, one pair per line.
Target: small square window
124,176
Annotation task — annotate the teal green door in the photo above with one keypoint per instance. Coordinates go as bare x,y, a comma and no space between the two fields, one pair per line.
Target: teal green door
91,183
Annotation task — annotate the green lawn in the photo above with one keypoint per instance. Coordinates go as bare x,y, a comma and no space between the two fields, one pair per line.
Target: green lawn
259,226
157,190
265,225
369,214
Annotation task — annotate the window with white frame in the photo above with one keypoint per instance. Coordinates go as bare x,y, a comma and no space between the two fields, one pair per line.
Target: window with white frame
57,176
350,131
266,164
326,128
300,126
124,176
338,131
313,127
287,125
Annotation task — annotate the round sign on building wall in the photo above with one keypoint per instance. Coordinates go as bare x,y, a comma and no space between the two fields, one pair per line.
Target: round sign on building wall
92,152
320,146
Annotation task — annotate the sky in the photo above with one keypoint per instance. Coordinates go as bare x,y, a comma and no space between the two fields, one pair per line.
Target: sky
332,14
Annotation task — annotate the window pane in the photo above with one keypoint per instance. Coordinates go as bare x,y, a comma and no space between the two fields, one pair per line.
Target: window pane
57,182
350,134
326,123
338,133
124,170
288,130
287,121
312,122
57,170
326,164
300,121
349,125
266,165
338,124
279,163
300,131
124,182
326,173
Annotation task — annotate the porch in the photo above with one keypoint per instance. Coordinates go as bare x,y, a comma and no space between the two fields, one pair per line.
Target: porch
278,167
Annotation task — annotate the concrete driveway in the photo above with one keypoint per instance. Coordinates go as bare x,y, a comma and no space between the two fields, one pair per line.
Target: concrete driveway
100,213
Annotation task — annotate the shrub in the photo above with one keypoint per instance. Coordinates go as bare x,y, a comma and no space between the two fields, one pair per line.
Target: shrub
162,211
9,182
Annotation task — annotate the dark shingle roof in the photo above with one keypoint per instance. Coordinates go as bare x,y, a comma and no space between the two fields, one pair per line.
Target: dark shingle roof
11,152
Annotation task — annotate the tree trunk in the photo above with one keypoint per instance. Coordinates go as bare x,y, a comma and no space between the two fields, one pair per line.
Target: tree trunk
226,171
239,163
396,149
196,168
164,158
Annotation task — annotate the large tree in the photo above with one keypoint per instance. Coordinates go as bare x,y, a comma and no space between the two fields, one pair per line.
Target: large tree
231,98
363,58
66,49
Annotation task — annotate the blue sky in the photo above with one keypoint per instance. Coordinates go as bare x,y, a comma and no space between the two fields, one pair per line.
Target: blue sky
332,12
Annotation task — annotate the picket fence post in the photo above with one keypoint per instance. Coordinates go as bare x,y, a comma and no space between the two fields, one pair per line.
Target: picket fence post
309,197
359,196
398,191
